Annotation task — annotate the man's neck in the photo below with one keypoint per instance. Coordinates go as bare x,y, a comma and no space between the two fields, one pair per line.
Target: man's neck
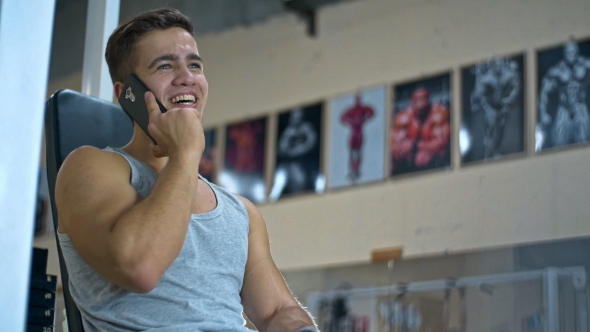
139,148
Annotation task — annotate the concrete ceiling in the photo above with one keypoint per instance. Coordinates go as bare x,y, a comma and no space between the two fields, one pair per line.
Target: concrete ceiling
211,15
208,16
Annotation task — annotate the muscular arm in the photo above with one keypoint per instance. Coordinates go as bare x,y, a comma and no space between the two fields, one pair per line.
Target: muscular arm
436,142
346,118
369,113
310,139
515,91
404,135
548,84
435,133
293,150
401,143
481,96
129,241
476,95
284,146
267,301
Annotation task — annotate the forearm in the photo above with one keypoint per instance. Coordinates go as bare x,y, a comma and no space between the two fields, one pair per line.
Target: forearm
546,89
151,234
402,148
485,105
543,103
289,319
514,92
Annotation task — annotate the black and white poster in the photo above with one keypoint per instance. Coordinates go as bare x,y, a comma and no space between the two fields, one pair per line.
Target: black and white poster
563,90
299,141
493,115
207,166
357,138
420,132
243,167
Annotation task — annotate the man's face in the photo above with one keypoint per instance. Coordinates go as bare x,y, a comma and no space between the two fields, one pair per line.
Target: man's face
497,66
168,62
296,117
420,101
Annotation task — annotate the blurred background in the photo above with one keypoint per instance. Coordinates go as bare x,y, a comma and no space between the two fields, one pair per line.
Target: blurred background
483,227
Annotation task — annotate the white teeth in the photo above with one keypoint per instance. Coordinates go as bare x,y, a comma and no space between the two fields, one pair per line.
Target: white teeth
183,98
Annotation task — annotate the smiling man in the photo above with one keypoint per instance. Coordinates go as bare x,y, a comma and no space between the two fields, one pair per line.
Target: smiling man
149,244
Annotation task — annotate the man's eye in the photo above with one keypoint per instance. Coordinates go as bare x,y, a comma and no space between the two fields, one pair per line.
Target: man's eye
164,66
195,66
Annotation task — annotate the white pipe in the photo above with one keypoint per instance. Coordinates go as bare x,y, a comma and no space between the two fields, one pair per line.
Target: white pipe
101,20
26,29
437,285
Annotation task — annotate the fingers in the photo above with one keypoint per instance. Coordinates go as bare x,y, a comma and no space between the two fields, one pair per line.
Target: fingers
178,128
194,111
152,105
157,150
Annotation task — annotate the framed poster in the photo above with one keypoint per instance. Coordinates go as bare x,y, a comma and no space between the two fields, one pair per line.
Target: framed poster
243,167
299,141
563,87
357,138
208,167
493,115
420,133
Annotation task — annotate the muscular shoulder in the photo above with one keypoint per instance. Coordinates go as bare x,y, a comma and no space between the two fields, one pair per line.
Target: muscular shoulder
88,160
440,109
88,167
557,70
404,117
486,78
250,207
439,113
306,128
255,218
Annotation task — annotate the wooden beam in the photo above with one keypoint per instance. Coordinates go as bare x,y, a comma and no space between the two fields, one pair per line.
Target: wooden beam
384,255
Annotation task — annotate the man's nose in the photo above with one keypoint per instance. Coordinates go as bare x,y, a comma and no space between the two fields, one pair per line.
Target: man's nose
185,77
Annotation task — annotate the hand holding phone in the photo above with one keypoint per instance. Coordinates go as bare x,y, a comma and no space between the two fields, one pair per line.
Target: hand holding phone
179,130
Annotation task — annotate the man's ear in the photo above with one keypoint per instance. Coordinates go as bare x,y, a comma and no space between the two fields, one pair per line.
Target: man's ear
118,87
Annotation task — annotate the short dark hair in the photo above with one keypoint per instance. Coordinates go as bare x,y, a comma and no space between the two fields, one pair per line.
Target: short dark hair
119,53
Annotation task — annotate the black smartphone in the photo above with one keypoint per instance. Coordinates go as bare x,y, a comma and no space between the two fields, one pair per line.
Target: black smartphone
132,100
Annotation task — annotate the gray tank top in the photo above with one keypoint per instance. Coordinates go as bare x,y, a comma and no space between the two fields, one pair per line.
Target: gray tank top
200,291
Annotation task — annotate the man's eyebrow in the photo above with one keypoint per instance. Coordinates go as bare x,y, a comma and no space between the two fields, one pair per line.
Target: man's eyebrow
174,57
194,56
165,57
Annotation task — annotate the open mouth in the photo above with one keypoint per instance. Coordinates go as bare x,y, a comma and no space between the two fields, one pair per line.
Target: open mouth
183,100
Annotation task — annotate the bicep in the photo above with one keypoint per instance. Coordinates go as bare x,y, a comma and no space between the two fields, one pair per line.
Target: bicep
264,291
549,82
92,193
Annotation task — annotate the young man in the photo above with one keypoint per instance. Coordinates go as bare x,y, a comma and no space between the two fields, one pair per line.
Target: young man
149,245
